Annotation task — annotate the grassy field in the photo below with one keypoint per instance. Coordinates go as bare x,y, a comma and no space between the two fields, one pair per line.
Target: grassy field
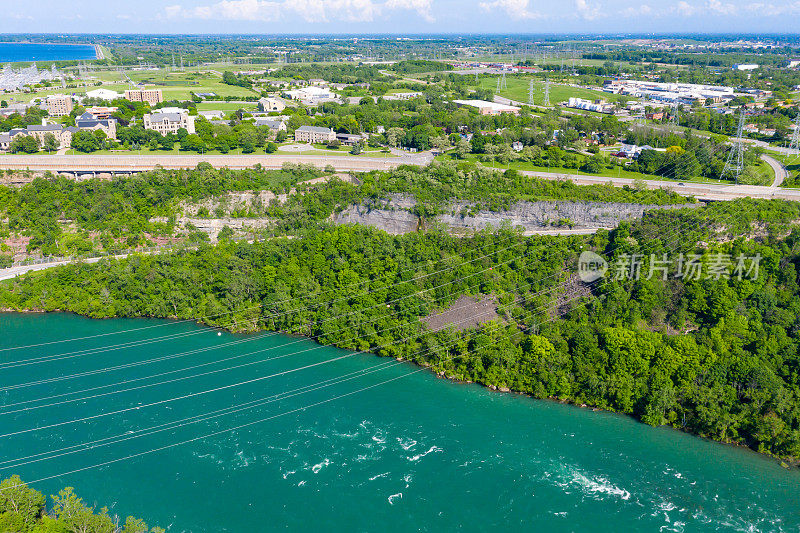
225,106
175,85
518,90
618,172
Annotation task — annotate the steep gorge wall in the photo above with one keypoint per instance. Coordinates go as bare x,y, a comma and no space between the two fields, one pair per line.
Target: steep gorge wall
394,216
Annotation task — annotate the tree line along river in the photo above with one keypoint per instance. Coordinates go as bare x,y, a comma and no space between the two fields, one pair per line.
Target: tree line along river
348,442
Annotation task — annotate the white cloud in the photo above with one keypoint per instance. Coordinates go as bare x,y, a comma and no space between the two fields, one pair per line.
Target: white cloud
772,10
685,8
586,11
719,7
422,7
514,8
308,10
637,11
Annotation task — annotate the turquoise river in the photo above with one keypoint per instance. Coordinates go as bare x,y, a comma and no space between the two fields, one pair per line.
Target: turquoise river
329,440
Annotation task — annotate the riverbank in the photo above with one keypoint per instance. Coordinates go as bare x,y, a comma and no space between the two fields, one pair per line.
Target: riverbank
784,462
528,465
594,351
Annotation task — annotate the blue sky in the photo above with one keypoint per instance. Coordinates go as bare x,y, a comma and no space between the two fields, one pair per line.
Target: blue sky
399,16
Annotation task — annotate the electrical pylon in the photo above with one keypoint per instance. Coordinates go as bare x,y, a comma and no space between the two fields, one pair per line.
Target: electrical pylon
530,93
546,101
501,82
735,163
673,116
794,144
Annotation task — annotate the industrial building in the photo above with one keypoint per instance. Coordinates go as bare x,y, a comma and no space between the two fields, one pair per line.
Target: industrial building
682,93
311,94
597,106
488,108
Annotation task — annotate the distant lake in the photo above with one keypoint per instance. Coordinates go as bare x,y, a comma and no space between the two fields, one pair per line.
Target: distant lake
12,52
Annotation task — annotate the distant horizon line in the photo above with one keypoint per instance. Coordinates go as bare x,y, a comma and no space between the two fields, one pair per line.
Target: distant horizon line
417,34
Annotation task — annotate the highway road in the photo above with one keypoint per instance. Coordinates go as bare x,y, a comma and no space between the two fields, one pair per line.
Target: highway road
13,272
780,171
131,162
701,191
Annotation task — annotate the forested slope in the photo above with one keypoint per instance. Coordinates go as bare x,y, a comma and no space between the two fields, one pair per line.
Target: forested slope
716,356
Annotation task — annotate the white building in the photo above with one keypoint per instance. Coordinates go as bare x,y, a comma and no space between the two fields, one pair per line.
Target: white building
750,66
401,96
588,105
166,123
103,94
311,94
669,92
212,115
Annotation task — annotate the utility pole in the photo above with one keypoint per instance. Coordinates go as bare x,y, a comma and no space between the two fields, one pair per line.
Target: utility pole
735,163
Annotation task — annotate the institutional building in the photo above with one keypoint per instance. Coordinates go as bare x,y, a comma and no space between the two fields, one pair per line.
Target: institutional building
274,125
101,113
63,135
268,105
314,134
151,96
59,105
166,123
89,122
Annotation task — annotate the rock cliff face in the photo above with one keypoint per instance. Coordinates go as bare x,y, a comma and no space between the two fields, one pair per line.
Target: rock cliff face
396,222
393,216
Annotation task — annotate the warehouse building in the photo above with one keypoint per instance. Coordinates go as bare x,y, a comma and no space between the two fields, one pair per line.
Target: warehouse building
488,108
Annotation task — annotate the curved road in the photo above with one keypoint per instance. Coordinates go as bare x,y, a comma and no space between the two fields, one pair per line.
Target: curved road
781,173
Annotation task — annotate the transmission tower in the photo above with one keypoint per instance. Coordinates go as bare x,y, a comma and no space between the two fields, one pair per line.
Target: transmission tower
530,93
673,116
501,82
735,163
546,101
794,144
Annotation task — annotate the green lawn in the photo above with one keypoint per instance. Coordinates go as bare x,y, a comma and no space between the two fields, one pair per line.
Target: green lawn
518,90
225,106
617,172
